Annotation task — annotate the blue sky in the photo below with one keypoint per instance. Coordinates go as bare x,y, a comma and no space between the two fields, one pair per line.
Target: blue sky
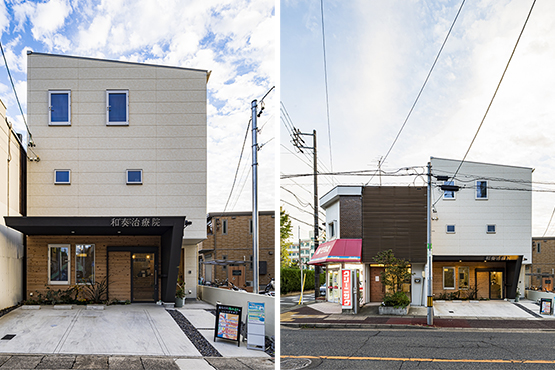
235,39
378,56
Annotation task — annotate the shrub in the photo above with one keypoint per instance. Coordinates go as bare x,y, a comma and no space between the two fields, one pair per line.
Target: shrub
291,280
397,300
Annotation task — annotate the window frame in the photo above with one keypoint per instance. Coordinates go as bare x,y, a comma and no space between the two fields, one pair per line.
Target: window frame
451,232
452,182
93,264
538,247
467,269
494,229
61,282
56,182
224,227
127,182
479,188
59,123
251,226
444,269
117,123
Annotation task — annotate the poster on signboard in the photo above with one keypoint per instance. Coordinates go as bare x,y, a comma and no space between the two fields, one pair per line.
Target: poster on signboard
256,329
346,290
228,323
545,306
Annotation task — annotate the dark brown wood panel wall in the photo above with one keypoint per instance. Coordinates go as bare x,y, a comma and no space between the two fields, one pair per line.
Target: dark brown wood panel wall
350,208
394,218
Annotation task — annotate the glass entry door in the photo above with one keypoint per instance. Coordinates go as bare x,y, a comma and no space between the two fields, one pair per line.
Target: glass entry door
144,272
496,283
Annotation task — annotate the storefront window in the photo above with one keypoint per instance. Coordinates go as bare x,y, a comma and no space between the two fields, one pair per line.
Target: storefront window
84,264
58,264
463,277
448,278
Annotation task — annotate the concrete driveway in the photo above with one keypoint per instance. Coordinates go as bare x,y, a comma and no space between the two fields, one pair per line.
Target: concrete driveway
137,329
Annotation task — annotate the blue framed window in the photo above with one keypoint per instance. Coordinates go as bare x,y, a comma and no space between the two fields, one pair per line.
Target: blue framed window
134,177
448,194
59,104
117,107
62,177
491,229
450,229
481,189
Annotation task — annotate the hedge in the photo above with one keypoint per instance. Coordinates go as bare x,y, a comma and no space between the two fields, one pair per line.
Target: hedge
291,280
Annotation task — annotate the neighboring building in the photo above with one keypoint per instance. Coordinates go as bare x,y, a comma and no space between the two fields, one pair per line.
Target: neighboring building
12,202
227,252
361,222
122,171
481,234
541,273
307,250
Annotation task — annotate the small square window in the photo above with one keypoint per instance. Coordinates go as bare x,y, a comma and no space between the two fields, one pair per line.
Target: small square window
62,177
481,189
117,107
134,177
250,226
59,104
491,229
450,229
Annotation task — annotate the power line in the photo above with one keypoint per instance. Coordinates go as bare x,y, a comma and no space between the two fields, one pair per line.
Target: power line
15,93
300,209
423,86
326,82
498,85
238,164
553,213
297,198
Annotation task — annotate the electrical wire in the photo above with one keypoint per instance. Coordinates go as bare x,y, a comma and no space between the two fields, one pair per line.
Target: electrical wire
549,223
297,198
423,86
301,209
498,85
238,164
326,83
15,93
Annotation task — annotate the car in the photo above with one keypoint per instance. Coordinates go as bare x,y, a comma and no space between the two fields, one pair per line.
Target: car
323,290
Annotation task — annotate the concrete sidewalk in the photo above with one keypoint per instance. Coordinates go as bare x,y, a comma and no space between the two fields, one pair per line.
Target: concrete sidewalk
141,336
451,314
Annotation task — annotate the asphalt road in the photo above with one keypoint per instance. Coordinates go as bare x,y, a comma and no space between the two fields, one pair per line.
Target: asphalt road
416,348
288,302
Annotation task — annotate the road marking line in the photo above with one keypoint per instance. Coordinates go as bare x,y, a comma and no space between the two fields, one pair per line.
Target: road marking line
424,359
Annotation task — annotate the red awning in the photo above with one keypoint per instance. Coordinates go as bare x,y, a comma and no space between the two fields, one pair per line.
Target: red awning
338,250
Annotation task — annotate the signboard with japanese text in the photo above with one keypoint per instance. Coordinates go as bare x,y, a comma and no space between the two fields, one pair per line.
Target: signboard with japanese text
346,289
256,328
228,323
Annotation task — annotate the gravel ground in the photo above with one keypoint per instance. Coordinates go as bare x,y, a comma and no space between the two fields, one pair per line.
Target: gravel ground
202,345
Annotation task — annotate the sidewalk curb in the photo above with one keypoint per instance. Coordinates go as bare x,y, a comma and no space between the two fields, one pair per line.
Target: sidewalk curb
401,327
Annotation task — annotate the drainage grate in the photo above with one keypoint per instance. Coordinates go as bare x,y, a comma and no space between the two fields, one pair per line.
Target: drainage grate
8,336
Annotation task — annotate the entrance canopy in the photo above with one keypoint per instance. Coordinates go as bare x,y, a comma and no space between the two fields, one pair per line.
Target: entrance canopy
338,250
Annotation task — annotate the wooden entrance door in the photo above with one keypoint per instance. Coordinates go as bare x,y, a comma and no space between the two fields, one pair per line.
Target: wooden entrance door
236,275
144,277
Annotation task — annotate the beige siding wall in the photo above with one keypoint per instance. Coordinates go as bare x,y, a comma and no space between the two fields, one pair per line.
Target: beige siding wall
166,138
11,242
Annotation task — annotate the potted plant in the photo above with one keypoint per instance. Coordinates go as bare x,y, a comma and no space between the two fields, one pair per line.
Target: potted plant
180,293
517,295
396,273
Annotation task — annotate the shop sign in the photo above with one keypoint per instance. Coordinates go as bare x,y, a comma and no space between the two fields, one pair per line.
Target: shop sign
228,323
346,291
135,222
256,329
497,258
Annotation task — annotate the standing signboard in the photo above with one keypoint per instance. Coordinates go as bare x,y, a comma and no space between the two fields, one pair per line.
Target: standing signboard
256,328
346,289
228,323
546,307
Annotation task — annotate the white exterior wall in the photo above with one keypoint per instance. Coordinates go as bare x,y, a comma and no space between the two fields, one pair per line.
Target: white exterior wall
510,211
11,241
330,203
166,138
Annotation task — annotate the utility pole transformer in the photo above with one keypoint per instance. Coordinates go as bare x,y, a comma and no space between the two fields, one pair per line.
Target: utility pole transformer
255,264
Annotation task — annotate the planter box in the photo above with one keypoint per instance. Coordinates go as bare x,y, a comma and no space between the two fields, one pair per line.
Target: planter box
30,307
96,307
389,310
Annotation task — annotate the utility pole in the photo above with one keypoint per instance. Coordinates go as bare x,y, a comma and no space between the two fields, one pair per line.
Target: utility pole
299,143
430,303
300,262
255,265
